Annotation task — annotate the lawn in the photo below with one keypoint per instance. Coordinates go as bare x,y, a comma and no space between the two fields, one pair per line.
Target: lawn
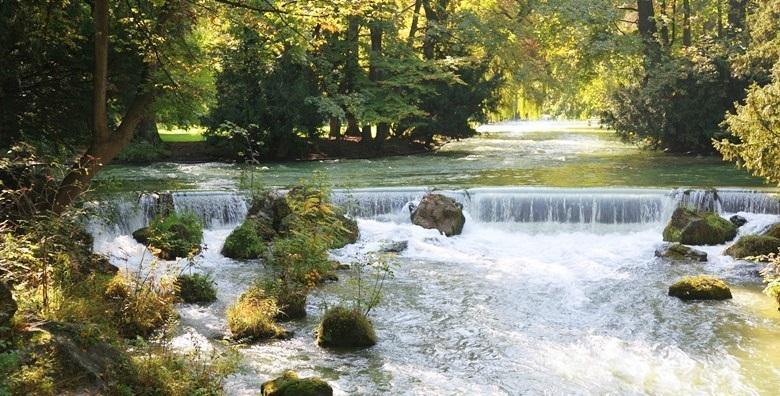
181,135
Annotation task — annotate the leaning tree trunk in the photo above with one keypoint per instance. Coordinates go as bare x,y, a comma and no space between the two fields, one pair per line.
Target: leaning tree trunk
147,129
687,40
648,31
106,144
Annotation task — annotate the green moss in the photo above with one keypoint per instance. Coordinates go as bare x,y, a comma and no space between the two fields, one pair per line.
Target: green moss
289,384
195,289
700,287
344,327
345,233
252,316
753,245
247,241
680,252
698,228
773,231
175,236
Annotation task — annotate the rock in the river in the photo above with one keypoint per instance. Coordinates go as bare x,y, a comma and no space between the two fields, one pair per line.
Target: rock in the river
690,227
753,245
700,287
773,231
289,384
439,212
345,327
7,305
272,207
249,240
195,289
680,252
395,247
141,235
738,220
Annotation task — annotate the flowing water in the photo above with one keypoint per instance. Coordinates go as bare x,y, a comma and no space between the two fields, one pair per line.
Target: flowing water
551,289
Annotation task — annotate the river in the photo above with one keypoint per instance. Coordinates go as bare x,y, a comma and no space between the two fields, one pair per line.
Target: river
552,288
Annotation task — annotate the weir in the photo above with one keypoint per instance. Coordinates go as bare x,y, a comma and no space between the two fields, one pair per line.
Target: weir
218,209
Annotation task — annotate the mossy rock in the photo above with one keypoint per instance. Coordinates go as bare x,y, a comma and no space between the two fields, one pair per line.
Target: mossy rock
175,236
141,235
679,252
249,240
773,231
753,245
347,235
700,287
252,317
344,327
289,384
690,227
195,289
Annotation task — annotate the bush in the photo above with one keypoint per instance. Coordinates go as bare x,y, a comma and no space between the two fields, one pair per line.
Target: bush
140,305
345,327
252,316
245,242
175,236
290,297
195,289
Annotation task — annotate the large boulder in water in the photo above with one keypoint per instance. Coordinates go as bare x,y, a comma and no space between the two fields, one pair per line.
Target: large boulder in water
289,384
691,227
346,328
738,220
439,212
680,252
700,287
753,245
7,305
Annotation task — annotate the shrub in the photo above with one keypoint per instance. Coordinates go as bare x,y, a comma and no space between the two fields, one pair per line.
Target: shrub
195,289
290,298
252,316
345,327
142,152
140,305
245,242
175,235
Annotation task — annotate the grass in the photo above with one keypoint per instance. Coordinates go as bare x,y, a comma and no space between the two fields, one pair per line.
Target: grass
182,135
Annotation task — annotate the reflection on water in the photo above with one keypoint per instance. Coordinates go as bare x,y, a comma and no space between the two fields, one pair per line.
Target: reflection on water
544,154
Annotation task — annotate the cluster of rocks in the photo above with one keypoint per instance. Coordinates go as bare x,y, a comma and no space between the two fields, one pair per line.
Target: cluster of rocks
690,227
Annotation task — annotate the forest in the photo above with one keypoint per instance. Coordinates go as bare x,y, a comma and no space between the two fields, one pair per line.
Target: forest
166,161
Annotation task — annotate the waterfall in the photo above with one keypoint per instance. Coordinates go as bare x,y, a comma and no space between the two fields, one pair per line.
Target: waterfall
510,205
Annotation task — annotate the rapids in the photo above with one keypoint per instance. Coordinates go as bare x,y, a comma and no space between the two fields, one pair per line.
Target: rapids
546,291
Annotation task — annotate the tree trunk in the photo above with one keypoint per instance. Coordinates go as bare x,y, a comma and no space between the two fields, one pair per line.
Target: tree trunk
376,74
335,127
674,23
351,69
435,14
648,31
352,126
147,129
106,145
720,19
687,40
664,26
365,133
736,18
415,21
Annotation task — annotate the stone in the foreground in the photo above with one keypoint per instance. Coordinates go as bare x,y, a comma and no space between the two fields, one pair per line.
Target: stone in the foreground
439,212
753,245
345,327
700,287
289,384
680,252
691,227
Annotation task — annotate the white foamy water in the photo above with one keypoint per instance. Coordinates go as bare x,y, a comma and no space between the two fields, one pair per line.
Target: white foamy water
570,301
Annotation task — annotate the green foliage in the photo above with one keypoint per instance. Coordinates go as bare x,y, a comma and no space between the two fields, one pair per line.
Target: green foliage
245,242
175,235
252,316
345,327
142,304
679,105
195,288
